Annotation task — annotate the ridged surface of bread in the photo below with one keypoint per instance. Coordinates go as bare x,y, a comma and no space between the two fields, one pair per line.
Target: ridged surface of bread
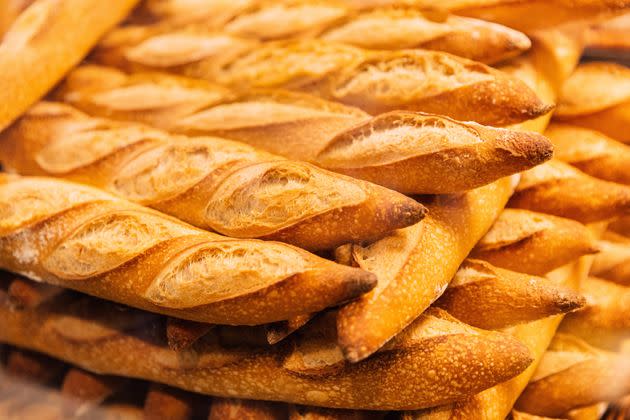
78,237
209,182
533,243
492,298
308,369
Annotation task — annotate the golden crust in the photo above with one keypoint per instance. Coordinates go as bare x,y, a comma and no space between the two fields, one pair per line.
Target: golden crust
613,262
305,369
557,188
533,243
105,246
414,265
492,298
209,182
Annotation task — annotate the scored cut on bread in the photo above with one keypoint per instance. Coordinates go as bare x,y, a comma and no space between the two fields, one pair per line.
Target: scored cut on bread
493,298
307,368
212,183
375,81
414,265
435,153
81,238
533,243
58,33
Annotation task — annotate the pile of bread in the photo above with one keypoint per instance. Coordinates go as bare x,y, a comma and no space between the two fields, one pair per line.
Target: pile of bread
244,209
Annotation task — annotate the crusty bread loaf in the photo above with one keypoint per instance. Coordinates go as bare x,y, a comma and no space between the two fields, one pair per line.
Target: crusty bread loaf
573,374
307,368
492,298
209,182
409,152
605,321
496,402
414,265
597,96
81,238
559,189
613,262
524,15
533,243
375,81
383,28
57,33
590,151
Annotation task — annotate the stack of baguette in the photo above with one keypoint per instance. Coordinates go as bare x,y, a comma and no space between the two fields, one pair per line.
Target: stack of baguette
320,209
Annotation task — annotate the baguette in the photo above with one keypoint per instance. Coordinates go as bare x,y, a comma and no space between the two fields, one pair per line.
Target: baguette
533,243
375,81
613,263
591,152
87,240
435,154
597,96
414,265
237,409
573,374
526,15
605,321
559,189
470,38
307,368
209,182
496,402
492,298
56,32
182,334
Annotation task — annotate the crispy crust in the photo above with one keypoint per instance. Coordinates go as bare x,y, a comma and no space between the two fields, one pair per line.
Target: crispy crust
87,240
211,183
414,265
58,33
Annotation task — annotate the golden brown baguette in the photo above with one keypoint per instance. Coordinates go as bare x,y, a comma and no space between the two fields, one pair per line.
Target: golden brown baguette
597,96
533,243
307,368
58,33
613,262
526,15
573,374
375,81
497,402
237,409
492,298
559,189
605,321
81,238
435,154
332,21
209,182
414,265
591,152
